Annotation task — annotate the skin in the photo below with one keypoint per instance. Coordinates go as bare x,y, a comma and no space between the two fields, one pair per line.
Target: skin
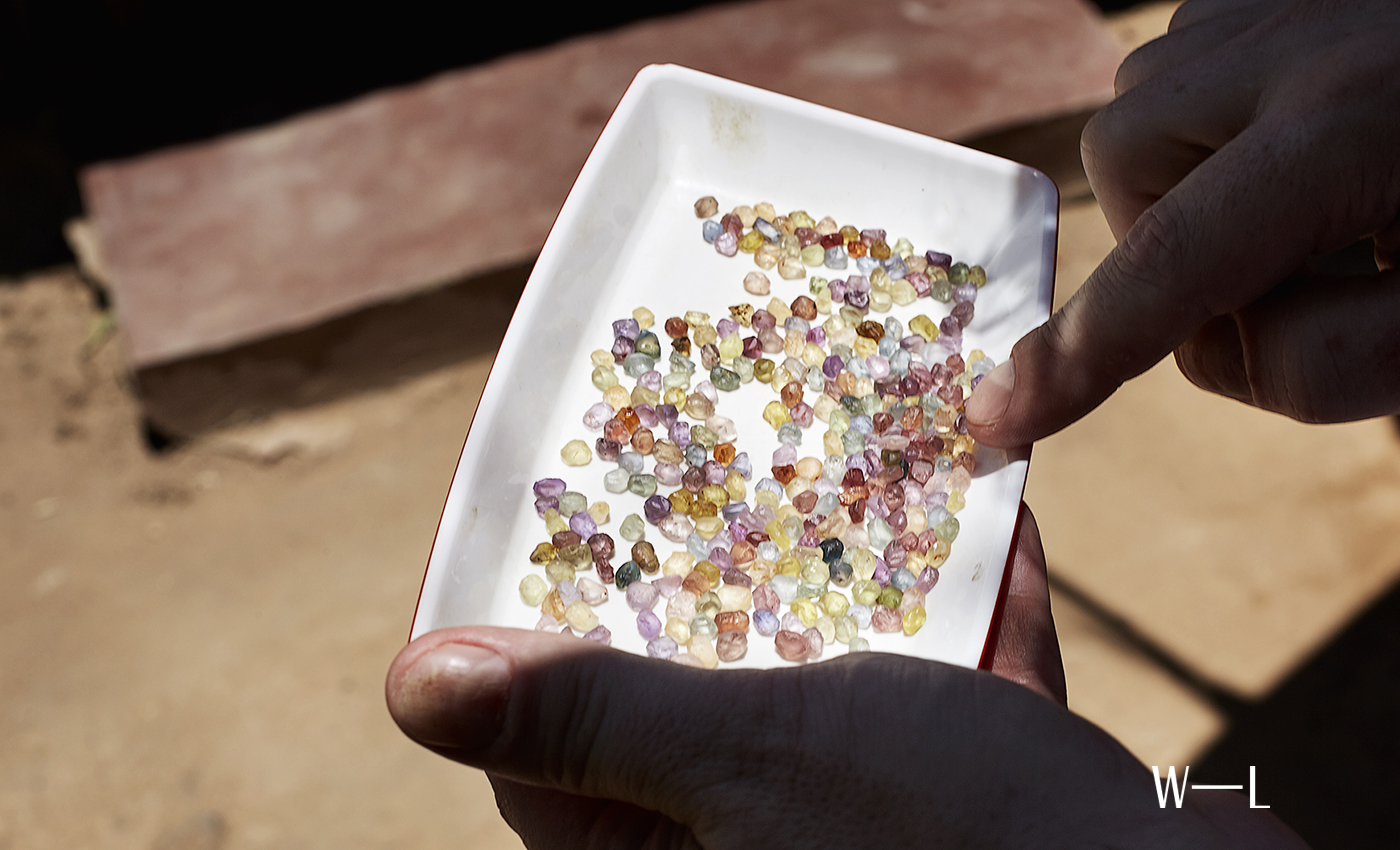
592,747
1251,138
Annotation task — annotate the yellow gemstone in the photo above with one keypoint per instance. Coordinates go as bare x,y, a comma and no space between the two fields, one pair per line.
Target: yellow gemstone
617,397
580,616
709,526
766,497
601,512
554,523
734,484
806,610
902,293
865,592
604,377
678,564
750,242
774,413
681,500
533,590
674,396
974,355
914,619
709,571
956,502
827,627
696,318
678,630
800,218
938,553
865,346
791,268
924,327
765,210
577,452
880,302
704,335
788,565
645,318
880,280
557,571
823,300
813,255
602,357
703,648
543,554
834,603
731,346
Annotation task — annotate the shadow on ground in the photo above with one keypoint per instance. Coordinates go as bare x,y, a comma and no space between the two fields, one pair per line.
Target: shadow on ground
377,346
1324,744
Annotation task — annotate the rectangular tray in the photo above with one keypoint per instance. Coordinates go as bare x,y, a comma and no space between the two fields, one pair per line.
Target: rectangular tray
627,236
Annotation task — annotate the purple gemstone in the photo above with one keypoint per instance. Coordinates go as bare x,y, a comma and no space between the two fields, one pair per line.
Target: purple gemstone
737,577
543,504
583,525
628,328
765,622
622,346
742,465
648,624
662,647
858,300
641,596
656,507
936,258
726,326
600,634
927,579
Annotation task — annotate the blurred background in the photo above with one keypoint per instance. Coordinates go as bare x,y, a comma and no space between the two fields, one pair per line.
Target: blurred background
254,265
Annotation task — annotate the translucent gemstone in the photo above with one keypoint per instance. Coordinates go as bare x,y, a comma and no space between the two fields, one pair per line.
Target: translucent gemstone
885,620
859,644
914,619
663,647
731,645
533,590
791,646
727,244
648,624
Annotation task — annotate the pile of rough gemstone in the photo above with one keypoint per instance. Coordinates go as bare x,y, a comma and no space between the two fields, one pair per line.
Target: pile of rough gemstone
826,545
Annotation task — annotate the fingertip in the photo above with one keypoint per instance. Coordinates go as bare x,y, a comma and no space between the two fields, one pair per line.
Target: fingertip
988,403
449,695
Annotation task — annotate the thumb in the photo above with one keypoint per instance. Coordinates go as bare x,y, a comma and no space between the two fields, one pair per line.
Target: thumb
572,715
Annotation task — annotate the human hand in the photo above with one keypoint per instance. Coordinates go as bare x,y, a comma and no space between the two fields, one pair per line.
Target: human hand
1254,135
593,747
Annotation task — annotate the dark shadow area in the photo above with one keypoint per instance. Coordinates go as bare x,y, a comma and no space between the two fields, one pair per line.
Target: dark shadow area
1050,146
373,347
1324,743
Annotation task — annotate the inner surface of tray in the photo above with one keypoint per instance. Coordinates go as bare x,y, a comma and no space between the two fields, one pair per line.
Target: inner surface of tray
628,236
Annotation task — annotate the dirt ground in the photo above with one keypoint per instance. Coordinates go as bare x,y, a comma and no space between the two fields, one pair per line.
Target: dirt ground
193,643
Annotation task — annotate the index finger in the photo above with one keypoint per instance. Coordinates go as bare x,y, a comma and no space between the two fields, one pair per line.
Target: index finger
1228,232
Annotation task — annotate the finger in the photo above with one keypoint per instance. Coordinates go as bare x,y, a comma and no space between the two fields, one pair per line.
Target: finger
1189,42
1194,12
544,817
1235,226
1024,648
1325,351
1143,144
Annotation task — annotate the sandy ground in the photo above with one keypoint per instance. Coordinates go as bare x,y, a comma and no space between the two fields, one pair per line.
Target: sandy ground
192,644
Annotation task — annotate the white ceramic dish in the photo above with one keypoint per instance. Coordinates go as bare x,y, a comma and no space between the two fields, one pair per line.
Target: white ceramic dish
627,236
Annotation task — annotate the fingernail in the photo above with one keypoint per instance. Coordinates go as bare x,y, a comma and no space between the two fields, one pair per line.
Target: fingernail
454,696
993,394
